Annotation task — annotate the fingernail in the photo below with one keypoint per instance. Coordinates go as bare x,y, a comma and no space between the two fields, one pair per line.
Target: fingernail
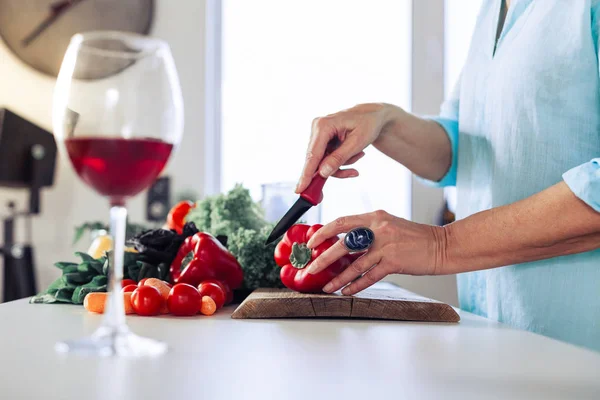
345,291
327,288
311,269
326,170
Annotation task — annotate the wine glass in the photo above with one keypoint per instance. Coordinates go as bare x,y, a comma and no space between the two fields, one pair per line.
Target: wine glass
118,114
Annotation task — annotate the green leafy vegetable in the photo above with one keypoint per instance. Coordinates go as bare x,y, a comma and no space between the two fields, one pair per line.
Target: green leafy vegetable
256,259
225,214
91,275
240,219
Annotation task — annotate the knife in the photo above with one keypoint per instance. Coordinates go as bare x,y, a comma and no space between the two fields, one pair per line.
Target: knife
310,197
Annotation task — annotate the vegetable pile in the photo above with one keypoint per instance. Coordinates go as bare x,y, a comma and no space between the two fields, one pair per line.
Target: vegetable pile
205,253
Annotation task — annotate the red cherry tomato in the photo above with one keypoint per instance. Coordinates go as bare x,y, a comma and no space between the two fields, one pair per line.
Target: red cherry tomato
224,286
141,283
146,300
184,300
214,291
127,282
129,288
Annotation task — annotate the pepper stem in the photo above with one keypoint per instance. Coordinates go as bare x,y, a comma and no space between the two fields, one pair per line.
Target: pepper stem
300,255
187,259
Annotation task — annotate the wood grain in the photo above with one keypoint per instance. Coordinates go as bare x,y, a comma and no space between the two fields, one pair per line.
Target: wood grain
373,303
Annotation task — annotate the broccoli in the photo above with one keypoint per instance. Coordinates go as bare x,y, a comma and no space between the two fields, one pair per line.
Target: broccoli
256,259
236,216
224,214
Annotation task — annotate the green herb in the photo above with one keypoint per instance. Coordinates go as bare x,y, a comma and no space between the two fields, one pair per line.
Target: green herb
91,275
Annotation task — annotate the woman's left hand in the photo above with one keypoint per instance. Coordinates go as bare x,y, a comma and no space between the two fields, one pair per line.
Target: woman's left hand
399,246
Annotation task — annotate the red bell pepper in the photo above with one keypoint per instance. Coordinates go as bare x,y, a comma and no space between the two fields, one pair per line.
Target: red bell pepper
177,214
202,257
292,255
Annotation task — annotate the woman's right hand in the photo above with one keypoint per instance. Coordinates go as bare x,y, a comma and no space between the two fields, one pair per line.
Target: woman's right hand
355,129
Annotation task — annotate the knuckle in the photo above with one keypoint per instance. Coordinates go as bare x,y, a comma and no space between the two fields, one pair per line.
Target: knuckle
319,123
337,158
340,222
357,267
370,278
381,214
310,155
386,228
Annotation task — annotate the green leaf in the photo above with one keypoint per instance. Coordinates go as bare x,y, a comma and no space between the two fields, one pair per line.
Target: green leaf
85,257
64,295
67,283
42,299
97,284
54,286
78,278
65,265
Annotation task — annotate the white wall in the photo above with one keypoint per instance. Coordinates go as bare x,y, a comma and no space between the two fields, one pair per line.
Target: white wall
69,202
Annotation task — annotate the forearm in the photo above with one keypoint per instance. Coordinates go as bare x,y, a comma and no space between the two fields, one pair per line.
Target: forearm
420,145
548,224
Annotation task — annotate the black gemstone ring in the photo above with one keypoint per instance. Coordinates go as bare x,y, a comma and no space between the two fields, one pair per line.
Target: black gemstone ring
359,239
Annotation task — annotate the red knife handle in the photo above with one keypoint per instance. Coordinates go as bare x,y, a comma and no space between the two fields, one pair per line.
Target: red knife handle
314,192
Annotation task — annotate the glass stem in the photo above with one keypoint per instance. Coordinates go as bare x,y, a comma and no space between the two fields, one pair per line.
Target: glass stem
115,312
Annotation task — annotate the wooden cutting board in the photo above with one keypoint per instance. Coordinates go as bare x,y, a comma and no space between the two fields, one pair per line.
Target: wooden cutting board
381,302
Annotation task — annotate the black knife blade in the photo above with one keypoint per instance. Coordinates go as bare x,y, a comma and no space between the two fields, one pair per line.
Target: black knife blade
300,207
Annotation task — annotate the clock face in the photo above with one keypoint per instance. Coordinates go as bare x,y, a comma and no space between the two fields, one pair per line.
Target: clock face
39,31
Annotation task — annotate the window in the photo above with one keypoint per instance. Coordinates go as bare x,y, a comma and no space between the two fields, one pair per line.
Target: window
285,63
460,18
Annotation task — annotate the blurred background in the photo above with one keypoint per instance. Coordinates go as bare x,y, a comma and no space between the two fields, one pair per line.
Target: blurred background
254,75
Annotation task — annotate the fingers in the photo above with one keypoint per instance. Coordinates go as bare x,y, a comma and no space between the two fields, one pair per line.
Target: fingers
374,275
322,133
346,173
340,156
340,225
355,158
328,257
354,270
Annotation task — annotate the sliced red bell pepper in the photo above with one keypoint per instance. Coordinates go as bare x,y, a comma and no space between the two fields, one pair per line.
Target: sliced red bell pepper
202,257
292,255
177,214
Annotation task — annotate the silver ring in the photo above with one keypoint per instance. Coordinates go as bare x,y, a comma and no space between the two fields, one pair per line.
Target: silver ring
359,239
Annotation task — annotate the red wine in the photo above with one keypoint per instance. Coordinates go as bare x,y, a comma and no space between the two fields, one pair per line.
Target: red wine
118,168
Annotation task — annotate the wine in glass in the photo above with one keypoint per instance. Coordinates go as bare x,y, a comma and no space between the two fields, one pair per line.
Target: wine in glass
118,113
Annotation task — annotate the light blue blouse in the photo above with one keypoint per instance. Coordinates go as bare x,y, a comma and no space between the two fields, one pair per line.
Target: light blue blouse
524,115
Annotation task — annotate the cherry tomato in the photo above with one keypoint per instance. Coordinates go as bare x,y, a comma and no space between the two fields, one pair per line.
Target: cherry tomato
184,300
214,291
127,282
129,288
146,300
224,286
141,283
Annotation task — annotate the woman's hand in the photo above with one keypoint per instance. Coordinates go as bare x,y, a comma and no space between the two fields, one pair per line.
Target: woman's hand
400,247
354,129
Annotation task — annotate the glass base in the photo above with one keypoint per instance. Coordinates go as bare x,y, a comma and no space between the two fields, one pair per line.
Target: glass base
107,341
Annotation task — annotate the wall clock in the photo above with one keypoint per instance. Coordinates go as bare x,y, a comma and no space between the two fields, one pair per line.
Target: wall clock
38,31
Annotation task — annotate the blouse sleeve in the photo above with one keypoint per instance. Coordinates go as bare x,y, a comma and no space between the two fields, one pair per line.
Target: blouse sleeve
584,179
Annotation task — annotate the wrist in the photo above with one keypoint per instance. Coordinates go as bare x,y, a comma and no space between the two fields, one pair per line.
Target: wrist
392,120
440,250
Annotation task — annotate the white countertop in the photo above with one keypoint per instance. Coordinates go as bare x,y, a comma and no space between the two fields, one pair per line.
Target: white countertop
220,358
